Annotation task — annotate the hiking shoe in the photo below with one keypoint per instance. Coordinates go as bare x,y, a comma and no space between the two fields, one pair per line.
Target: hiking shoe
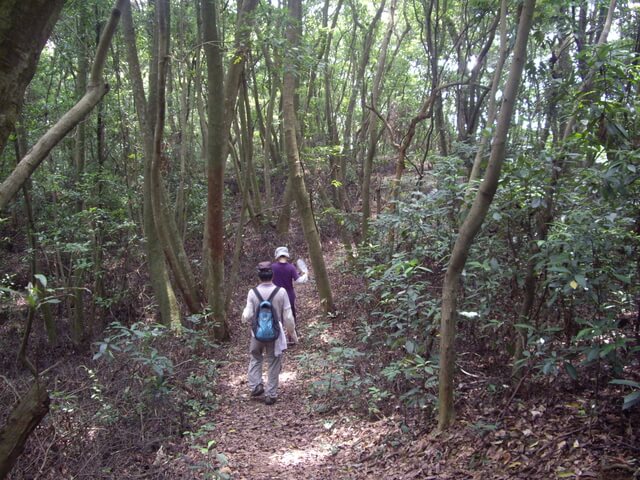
257,391
269,400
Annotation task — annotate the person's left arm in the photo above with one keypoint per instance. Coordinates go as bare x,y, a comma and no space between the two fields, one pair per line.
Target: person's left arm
286,316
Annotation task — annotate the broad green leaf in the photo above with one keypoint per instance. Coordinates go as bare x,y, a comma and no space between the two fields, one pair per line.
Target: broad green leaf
567,474
42,279
631,400
629,383
623,278
582,281
571,370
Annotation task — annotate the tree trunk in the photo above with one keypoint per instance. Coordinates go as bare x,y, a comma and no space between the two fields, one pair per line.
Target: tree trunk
21,423
474,176
221,107
474,220
373,123
96,89
291,146
25,26
163,218
158,273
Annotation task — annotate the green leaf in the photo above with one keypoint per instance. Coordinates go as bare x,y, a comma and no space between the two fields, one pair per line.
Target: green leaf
42,279
593,354
631,400
629,383
525,326
571,370
582,281
623,278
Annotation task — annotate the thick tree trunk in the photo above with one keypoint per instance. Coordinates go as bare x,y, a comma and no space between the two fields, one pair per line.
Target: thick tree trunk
95,91
298,185
221,108
474,220
25,26
21,423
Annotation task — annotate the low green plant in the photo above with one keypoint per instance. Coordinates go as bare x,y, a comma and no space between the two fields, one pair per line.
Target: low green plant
136,342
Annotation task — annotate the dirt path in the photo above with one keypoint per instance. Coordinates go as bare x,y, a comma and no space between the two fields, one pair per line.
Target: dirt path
288,440
295,438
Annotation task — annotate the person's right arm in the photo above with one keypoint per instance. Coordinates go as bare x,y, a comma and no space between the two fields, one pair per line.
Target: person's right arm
249,310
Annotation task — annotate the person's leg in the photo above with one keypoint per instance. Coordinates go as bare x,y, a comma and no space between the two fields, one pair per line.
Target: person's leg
255,365
293,309
273,371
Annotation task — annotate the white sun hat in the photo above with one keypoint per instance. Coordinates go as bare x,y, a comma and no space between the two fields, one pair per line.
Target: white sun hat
281,252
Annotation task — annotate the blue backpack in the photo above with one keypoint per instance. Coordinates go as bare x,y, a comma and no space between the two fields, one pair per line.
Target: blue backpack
266,327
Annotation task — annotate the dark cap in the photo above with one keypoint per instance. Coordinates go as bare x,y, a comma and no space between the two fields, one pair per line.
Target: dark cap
264,266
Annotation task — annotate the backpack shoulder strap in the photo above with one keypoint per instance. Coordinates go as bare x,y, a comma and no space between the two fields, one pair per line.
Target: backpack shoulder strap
260,299
273,294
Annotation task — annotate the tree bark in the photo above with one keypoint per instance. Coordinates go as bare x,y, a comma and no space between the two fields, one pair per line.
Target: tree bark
25,26
96,89
474,220
373,124
158,273
295,167
21,423
491,108
163,218
221,108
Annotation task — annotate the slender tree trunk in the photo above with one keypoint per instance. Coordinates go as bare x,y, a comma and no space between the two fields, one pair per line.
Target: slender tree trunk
159,275
163,217
348,150
291,146
284,219
547,215
491,108
76,280
474,220
49,323
373,123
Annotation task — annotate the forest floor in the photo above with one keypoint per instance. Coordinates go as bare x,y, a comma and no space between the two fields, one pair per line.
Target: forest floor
116,419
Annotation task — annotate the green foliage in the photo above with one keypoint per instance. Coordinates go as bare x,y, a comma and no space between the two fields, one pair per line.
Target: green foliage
632,399
136,342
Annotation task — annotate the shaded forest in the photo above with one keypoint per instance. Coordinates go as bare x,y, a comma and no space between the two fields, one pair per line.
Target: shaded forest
461,177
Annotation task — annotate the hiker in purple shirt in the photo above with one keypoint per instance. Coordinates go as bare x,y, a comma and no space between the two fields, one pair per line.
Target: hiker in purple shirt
285,275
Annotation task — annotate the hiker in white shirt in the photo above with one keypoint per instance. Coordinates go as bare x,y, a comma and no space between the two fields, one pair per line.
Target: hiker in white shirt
271,350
